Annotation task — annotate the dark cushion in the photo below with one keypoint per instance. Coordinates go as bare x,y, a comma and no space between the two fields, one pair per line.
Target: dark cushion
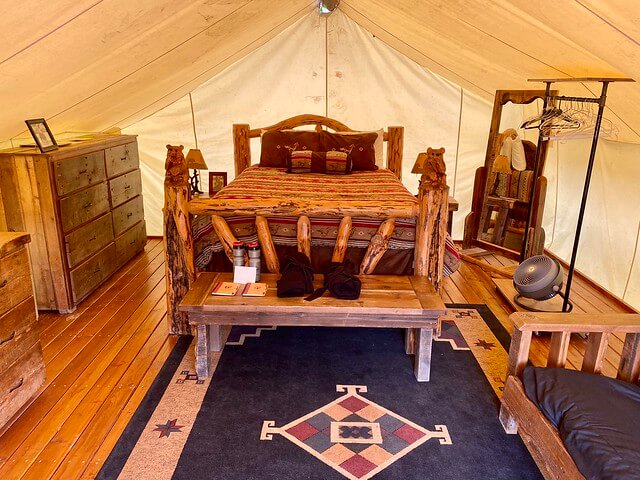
277,146
360,148
598,419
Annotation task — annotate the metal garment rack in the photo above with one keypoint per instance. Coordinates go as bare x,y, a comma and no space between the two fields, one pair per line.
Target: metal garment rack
601,101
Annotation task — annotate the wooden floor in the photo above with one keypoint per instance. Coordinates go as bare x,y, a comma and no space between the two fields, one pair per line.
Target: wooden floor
101,360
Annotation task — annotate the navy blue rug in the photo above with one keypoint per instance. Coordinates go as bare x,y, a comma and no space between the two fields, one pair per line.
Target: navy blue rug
335,403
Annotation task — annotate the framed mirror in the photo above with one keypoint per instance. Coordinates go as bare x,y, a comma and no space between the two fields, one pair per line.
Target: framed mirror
506,212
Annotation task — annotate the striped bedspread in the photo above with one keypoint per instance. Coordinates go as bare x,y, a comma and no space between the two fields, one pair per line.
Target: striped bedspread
372,187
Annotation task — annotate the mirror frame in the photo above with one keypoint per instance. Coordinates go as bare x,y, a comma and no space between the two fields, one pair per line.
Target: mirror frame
481,181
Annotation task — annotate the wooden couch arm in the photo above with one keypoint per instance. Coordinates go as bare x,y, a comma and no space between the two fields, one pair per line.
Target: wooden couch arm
562,325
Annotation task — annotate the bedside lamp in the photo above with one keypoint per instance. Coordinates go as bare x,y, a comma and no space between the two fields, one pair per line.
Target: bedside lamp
195,161
419,165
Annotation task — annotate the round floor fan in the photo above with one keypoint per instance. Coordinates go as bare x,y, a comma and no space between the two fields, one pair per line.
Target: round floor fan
538,278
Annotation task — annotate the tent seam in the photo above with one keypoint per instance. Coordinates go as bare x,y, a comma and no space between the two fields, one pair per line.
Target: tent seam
203,73
50,33
417,51
455,168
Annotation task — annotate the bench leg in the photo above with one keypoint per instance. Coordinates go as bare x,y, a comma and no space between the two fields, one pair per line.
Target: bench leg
422,366
410,341
203,348
215,337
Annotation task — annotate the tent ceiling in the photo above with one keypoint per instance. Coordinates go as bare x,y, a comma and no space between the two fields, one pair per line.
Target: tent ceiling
90,65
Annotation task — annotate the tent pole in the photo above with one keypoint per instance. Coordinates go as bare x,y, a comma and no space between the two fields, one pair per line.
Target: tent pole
585,193
534,182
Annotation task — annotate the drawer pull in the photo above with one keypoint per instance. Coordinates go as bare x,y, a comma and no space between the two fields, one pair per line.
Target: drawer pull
122,159
17,386
3,283
132,242
130,214
87,205
97,270
9,338
82,172
127,187
92,238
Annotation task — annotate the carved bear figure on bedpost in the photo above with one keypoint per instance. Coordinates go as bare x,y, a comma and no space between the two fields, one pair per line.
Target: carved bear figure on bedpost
178,240
431,226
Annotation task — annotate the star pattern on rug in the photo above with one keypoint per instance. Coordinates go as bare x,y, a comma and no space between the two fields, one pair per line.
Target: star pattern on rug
486,345
187,376
168,428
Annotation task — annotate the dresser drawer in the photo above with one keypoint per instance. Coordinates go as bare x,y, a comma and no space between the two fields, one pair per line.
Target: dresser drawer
15,279
83,206
18,332
130,243
91,273
20,382
87,240
127,215
72,174
121,159
125,187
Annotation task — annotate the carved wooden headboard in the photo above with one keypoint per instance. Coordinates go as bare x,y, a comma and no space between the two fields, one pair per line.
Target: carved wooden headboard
242,135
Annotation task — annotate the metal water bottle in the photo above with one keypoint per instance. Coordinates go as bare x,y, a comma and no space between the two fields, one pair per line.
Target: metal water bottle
238,254
253,249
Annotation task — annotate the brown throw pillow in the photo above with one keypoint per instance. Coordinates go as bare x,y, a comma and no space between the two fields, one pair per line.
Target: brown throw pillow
277,146
359,147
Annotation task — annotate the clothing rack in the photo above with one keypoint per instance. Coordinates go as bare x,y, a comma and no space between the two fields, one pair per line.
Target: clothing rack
601,101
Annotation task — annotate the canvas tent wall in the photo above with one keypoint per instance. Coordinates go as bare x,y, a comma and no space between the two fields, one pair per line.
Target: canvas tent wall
88,65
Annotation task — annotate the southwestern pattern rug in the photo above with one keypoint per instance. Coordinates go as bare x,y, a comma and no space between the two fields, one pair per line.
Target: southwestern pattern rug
330,403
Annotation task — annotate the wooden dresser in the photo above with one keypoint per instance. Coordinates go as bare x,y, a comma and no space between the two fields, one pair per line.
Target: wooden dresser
82,205
21,366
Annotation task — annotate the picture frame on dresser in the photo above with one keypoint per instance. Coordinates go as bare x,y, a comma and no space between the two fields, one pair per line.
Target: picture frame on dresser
41,133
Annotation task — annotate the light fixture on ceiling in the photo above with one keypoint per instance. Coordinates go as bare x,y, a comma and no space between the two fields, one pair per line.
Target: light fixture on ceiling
328,6
195,160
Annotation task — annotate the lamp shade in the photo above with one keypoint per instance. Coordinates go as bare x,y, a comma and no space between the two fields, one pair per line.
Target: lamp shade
418,167
195,160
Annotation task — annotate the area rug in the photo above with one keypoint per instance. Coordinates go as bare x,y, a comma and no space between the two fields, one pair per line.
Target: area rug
332,403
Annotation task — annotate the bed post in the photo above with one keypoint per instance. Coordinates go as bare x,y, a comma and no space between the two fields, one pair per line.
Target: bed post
178,240
241,147
431,225
395,136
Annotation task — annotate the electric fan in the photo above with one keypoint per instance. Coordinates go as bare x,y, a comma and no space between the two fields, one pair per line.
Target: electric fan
538,278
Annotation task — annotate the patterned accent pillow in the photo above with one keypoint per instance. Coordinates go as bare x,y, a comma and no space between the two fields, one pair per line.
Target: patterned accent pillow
336,163
300,161
306,161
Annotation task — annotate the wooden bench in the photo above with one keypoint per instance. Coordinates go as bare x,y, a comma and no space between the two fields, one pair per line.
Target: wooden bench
386,301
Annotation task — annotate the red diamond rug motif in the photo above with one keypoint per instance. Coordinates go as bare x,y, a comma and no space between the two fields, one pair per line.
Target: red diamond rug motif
354,435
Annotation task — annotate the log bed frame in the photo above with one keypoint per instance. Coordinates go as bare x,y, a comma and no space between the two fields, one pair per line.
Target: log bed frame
519,415
430,213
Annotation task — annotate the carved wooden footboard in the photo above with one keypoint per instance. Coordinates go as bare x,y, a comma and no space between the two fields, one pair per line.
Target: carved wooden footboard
431,216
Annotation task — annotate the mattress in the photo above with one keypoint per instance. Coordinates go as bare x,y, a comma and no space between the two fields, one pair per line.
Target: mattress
598,419
366,188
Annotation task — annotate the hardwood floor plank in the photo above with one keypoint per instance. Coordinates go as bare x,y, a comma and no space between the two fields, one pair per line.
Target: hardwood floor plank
54,404
106,396
59,323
